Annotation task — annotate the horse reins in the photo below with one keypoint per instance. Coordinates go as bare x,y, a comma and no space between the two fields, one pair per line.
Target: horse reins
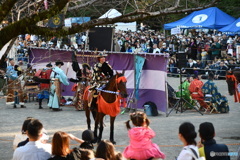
118,80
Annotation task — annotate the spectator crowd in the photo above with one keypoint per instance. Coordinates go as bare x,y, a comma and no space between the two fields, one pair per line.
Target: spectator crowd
34,143
204,50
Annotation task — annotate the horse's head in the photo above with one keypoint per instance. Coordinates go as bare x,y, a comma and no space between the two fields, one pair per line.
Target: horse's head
121,84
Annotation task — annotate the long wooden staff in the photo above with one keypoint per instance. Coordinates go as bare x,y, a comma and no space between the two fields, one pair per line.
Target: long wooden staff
68,64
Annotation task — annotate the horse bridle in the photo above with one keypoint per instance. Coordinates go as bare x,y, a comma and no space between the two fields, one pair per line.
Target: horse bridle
118,80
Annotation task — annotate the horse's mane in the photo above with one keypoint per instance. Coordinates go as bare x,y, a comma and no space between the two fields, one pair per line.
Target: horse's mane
112,79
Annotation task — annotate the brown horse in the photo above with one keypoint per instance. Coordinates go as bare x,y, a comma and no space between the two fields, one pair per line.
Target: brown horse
107,103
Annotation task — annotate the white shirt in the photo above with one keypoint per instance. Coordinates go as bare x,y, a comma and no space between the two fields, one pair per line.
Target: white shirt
33,151
19,138
84,38
186,154
156,50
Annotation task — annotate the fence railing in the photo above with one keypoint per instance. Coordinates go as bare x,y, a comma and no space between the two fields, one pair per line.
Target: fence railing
202,71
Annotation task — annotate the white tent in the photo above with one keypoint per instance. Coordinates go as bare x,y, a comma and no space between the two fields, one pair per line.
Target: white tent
112,13
11,53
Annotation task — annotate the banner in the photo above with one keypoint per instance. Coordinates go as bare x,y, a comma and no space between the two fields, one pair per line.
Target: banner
175,31
152,78
139,62
238,51
56,21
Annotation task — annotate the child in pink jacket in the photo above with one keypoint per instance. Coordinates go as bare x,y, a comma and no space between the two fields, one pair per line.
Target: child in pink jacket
141,146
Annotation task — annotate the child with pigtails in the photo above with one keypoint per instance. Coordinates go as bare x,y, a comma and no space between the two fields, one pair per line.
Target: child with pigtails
141,146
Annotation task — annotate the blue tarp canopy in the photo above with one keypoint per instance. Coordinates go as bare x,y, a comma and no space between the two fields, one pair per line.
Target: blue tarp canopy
233,28
210,18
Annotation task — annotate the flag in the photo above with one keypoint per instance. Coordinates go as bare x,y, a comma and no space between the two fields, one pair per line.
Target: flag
45,4
56,21
139,62
152,86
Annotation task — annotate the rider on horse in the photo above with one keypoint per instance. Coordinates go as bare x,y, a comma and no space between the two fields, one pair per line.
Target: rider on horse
102,71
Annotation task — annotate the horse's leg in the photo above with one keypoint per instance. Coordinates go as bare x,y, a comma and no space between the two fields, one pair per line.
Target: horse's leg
94,113
101,116
87,113
96,128
112,120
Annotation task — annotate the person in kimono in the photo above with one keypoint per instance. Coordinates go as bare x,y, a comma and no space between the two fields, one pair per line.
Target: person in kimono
44,87
81,82
195,89
185,91
102,71
57,77
15,92
210,88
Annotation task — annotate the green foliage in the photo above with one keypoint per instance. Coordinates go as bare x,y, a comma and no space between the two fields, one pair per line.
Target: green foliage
231,7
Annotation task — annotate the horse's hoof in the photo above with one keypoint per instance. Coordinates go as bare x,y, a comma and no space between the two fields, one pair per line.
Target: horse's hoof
113,142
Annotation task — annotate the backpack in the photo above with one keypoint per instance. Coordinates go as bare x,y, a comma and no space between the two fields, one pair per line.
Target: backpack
75,154
194,154
150,109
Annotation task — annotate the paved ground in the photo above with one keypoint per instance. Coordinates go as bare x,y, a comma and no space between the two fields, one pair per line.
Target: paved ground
227,126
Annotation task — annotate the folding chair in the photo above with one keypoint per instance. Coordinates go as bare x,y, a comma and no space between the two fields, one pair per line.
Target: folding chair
212,106
198,106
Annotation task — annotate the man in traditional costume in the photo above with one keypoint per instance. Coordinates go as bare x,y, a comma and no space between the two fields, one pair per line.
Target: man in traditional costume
210,88
15,92
102,71
44,87
195,89
57,77
185,91
236,78
81,82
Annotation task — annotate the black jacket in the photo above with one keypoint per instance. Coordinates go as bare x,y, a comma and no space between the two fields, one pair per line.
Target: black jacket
211,148
20,144
106,69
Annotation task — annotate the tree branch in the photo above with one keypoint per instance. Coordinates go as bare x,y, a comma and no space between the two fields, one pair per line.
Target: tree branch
11,31
5,8
21,26
82,5
174,7
134,16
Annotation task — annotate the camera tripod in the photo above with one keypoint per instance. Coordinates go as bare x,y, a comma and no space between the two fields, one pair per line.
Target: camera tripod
181,102
131,101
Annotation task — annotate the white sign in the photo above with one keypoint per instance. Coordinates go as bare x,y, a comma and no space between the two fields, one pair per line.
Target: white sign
200,18
175,31
238,52
238,24
68,22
